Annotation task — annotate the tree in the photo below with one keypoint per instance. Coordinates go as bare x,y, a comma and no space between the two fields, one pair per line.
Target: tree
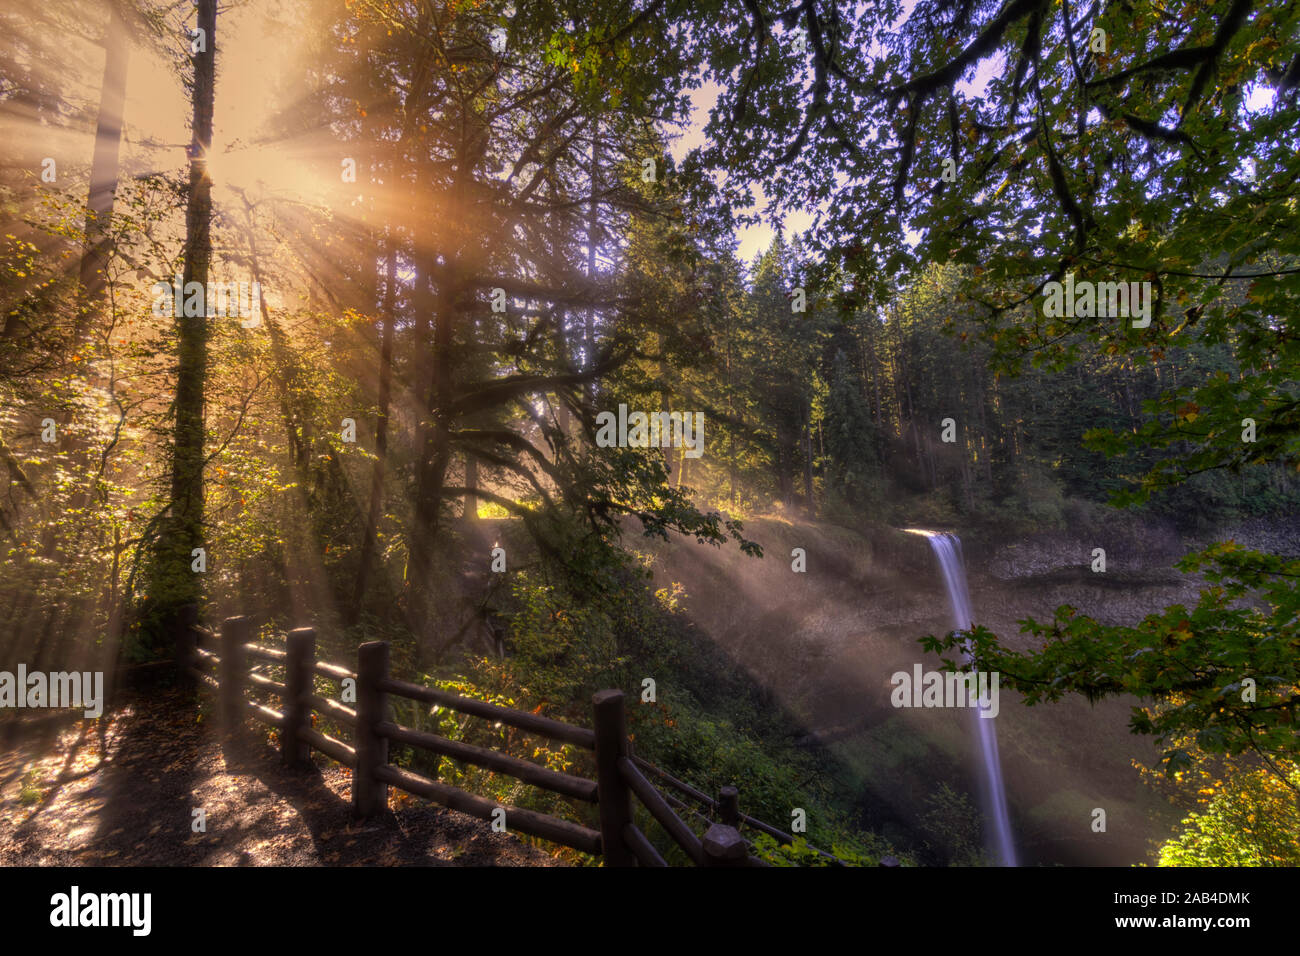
104,168
1092,159
175,583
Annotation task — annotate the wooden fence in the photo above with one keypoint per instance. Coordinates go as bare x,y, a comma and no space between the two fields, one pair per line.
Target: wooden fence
221,662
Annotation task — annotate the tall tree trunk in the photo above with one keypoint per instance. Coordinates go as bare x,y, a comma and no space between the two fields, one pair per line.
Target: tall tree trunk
285,377
563,416
986,434
434,435
786,442
875,391
104,167
923,466
665,403
376,510
731,429
593,229
435,456
966,483
471,482
808,460
178,585
92,276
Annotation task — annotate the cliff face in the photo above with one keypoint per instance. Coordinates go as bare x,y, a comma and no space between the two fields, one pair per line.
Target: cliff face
828,640
1033,575
1136,549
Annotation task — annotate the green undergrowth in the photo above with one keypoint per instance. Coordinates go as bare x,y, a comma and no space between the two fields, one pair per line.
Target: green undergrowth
690,711
600,623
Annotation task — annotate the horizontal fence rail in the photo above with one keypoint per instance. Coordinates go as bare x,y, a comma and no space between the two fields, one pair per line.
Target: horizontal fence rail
726,806
530,773
654,801
519,719
622,779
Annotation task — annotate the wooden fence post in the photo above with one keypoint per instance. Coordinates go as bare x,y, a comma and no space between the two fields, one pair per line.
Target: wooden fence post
298,684
370,796
729,806
187,645
724,846
614,797
234,635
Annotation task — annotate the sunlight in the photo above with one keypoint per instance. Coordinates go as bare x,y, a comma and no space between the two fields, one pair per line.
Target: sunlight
252,402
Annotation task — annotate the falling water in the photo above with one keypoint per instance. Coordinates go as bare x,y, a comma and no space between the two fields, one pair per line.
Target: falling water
947,548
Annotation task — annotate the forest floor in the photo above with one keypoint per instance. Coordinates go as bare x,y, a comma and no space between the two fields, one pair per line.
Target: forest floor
127,798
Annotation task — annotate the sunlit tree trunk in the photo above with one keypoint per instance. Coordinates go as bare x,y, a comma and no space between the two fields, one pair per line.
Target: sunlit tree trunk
104,173
104,166
176,584
434,434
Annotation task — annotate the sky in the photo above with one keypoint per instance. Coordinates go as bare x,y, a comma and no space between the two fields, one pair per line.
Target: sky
753,240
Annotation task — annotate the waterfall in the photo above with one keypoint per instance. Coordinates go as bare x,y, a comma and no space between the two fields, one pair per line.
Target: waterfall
947,548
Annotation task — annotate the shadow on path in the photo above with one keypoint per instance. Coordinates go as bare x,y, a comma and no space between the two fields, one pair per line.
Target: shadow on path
62,805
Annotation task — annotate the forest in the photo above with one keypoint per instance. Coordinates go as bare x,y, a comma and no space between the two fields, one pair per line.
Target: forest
575,346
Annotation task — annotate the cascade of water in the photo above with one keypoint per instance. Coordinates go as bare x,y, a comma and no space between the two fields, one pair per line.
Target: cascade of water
947,549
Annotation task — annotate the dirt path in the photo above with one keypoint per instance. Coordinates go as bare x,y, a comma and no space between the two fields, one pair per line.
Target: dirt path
66,805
